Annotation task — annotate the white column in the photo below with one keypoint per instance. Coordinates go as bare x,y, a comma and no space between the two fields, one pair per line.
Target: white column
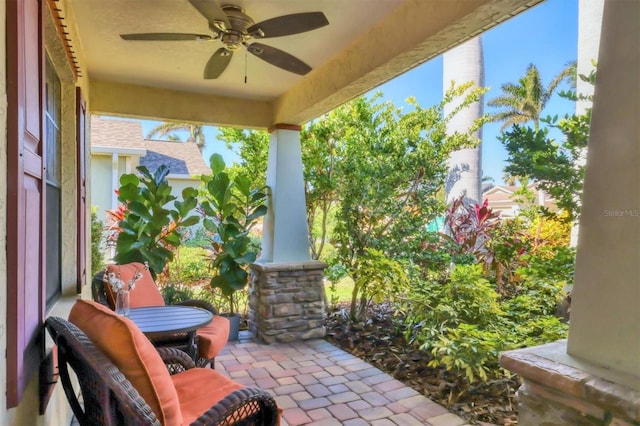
115,179
285,236
589,29
605,311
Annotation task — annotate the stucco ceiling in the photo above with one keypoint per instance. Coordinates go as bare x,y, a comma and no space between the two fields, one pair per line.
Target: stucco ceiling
366,43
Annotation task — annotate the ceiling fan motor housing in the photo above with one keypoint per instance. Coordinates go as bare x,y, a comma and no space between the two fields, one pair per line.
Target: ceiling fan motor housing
235,29
236,34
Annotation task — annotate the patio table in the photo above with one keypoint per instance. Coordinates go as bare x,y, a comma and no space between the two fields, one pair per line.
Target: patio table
161,324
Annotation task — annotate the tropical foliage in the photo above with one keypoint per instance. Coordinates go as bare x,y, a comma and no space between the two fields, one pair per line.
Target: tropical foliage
232,208
97,243
374,176
153,220
168,129
554,166
525,100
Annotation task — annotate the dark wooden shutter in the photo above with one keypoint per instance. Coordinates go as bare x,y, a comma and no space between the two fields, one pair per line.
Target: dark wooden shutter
25,195
81,120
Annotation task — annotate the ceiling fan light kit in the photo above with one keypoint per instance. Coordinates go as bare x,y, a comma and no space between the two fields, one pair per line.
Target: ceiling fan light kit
235,29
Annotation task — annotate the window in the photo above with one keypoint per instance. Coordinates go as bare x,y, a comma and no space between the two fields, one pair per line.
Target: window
53,175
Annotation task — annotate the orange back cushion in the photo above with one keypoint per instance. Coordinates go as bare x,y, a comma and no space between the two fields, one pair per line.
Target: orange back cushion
134,355
145,293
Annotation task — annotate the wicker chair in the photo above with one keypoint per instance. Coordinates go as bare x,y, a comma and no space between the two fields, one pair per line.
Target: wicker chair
108,398
180,340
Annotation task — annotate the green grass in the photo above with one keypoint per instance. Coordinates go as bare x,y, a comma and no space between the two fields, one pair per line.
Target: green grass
342,293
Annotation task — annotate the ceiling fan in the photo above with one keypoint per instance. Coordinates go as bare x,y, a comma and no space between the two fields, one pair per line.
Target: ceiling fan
234,28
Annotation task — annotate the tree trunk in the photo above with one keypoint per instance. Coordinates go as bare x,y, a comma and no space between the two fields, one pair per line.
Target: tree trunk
462,64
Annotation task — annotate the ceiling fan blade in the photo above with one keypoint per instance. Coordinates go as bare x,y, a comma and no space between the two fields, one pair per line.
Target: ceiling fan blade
211,10
217,63
279,58
165,36
288,24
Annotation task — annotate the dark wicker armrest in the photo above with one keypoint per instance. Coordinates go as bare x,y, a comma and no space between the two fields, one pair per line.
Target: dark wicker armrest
246,406
176,360
107,396
199,304
98,292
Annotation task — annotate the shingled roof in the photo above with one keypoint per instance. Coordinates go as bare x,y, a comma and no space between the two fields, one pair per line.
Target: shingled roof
182,158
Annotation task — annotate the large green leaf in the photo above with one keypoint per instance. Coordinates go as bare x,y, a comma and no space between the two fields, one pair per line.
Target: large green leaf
129,179
257,212
185,206
127,192
189,192
160,175
190,221
140,210
216,162
243,184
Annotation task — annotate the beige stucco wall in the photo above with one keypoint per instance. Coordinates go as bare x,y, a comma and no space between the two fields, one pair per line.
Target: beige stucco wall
69,182
58,411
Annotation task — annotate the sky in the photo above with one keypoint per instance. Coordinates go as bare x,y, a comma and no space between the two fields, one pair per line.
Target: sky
546,36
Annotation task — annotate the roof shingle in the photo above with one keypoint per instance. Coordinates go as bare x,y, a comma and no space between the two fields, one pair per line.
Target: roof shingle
182,158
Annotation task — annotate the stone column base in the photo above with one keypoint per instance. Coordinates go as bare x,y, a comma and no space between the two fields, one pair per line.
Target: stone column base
557,390
286,301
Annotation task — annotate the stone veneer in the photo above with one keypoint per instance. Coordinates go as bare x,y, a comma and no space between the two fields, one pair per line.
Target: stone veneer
557,390
286,301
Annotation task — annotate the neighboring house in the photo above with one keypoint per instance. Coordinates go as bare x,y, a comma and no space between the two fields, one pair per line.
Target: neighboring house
503,199
118,147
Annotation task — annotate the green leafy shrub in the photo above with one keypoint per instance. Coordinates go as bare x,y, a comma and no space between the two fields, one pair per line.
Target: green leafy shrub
538,330
469,349
550,263
378,278
97,254
154,220
197,238
464,323
466,297
173,294
507,248
215,296
232,208
471,295
190,265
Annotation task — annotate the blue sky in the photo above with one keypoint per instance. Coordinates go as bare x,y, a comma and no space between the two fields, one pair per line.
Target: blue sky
545,36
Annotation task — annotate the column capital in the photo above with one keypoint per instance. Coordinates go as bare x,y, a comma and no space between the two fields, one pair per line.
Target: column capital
284,126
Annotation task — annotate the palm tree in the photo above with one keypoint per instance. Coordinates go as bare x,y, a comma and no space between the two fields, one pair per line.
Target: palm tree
461,64
196,132
524,101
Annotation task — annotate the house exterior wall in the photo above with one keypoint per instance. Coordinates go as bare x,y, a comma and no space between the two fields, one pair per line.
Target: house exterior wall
69,182
101,190
179,184
58,411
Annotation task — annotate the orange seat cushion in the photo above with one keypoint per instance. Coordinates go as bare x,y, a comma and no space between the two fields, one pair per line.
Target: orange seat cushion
200,389
145,293
134,355
213,337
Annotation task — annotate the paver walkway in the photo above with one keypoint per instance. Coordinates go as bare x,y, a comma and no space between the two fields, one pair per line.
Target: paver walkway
316,383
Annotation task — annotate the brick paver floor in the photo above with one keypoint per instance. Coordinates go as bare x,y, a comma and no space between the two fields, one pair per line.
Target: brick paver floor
316,383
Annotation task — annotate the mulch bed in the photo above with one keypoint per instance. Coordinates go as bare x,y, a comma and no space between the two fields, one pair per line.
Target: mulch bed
381,343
